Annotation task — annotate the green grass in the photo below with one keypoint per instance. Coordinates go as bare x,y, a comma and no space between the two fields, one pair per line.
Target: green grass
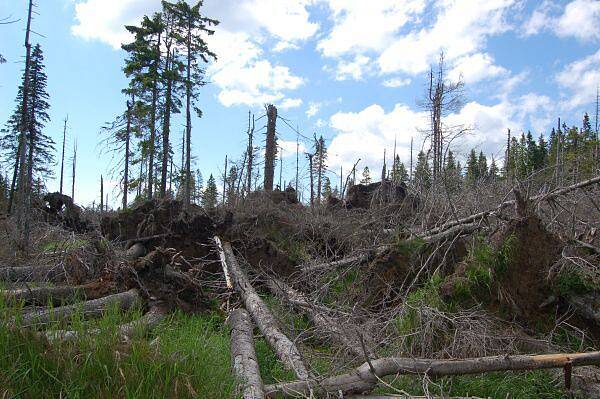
570,282
64,245
538,384
185,357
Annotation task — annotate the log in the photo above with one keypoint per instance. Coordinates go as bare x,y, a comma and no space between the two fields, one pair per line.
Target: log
364,378
43,295
284,348
38,274
92,308
335,328
126,331
223,262
243,356
408,397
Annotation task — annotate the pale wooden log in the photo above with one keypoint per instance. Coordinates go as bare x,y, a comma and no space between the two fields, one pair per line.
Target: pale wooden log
284,348
43,295
364,378
36,274
92,308
243,356
126,331
223,262
320,316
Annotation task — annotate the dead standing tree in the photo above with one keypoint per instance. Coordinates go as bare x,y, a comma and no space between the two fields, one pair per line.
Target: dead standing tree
271,147
443,97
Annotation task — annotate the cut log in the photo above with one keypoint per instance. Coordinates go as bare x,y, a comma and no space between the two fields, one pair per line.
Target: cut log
93,308
126,331
364,378
243,356
43,295
347,336
38,274
284,348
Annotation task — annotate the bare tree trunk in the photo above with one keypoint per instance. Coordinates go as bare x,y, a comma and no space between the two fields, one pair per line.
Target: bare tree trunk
62,158
11,194
312,184
101,194
366,377
271,147
153,122
250,152
284,348
188,119
74,169
24,200
166,126
43,295
127,140
243,355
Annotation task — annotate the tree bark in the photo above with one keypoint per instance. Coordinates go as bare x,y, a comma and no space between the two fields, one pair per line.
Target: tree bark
243,355
43,295
284,348
347,336
364,378
126,331
271,147
92,308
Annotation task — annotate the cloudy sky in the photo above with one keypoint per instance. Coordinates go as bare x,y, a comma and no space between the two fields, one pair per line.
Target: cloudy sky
351,70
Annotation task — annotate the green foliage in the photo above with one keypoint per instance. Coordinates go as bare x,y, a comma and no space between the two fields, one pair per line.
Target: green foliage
64,245
571,282
345,282
427,295
410,247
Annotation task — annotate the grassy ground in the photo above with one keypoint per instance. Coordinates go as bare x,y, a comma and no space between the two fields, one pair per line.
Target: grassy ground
185,357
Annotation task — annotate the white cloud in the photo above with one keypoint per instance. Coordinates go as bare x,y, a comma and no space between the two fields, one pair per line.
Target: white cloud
289,147
578,20
475,67
290,103
353,69
313,109
461,28
580,78
396,82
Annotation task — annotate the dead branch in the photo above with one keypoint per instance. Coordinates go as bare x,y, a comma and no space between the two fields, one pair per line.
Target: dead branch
43,295
362,379
32,274
243,356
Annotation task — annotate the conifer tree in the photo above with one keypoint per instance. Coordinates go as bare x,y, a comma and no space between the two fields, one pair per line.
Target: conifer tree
482,168
472,167
366,176
422,175
320,164
326,188
209,197
452,172
399,172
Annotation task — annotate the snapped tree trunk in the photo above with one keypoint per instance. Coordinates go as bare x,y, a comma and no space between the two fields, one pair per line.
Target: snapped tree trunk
284,348
271,147
243,355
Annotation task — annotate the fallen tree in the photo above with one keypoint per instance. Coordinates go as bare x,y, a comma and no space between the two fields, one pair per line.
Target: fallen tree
43,295
243,356
348,337
38,274
364,378
92,308
285,349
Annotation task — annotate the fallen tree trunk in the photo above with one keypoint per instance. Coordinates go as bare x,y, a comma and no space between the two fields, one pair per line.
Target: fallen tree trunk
243,355
43,295
364,378
35,274
334,327
139,326
92,308
308,268
284,348
223,261
407,397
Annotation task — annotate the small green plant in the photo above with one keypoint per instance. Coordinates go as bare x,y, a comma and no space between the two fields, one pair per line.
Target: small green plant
571,282
410,247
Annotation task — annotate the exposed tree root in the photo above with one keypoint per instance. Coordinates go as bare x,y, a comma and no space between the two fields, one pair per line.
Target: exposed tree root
366,377
92,308
285,349
243,355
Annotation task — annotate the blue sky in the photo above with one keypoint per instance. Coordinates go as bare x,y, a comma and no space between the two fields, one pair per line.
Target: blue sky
351,70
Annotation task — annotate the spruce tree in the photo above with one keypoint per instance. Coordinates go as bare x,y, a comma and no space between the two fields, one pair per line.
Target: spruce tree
422,175
472,167
326,188
209,197
366,176
482,168
399,172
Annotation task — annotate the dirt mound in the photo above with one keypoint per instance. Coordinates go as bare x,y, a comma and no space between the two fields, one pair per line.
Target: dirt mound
366,195
162,223
287,196
263,254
